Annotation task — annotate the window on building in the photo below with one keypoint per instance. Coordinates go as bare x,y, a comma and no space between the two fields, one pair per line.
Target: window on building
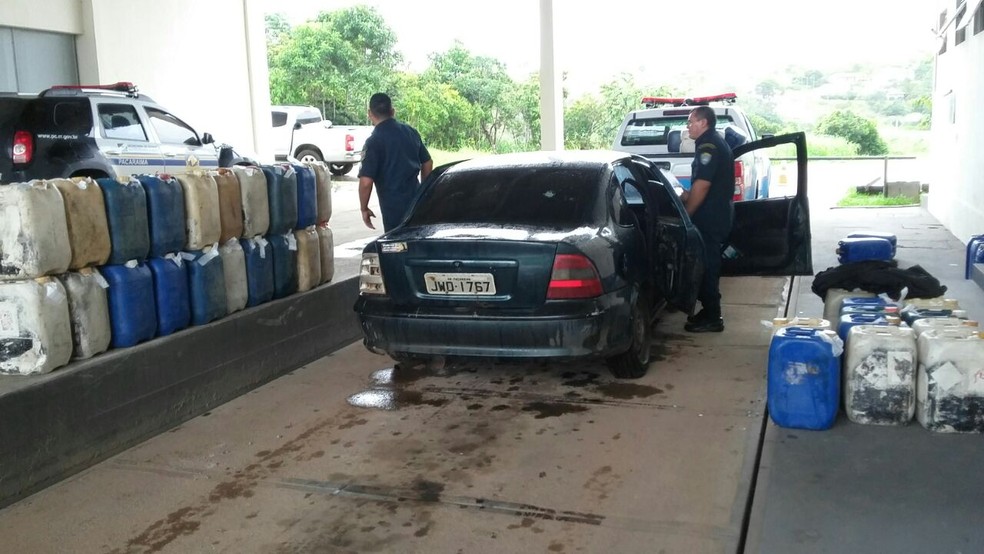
31,61
942,33
961,34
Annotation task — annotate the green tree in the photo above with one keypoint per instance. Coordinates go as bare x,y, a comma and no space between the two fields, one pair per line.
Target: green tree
483,82
443,117
768,88
854,128
525,126
334,62
276,26
811,78
583,129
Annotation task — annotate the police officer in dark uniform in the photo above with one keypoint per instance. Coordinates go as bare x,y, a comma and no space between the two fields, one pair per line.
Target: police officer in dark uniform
394,156
710,204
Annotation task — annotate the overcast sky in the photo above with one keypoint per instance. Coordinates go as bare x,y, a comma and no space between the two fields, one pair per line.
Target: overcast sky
657,40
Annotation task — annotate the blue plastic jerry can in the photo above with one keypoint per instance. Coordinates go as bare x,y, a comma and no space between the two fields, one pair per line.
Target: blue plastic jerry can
804,378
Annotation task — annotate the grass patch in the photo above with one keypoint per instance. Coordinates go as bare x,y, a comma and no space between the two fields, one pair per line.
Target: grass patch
855,199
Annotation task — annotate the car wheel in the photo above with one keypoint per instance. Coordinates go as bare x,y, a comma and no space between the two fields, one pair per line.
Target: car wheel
634,362
308,156
340,169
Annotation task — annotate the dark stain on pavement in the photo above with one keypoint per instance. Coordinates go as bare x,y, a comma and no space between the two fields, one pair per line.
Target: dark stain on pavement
428,491
552,409
579,378
627,391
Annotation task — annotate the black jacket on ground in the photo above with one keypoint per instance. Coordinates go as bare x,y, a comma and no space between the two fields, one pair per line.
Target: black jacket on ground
878,277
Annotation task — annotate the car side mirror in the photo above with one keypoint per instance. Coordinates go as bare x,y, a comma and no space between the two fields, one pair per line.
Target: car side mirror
328,124
207,138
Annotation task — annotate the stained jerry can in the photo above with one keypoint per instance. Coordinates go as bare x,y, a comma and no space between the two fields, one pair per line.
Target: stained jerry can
230,204
88,309
282,196
950,383
813,322
206,285
851,250
132,307
307,196
236,280
326,240
308,258
33,231
323,179
919,308
880,374
202,225
890,237
165,214
85,216
284,264
850,320
126,212
35,330
852,301
171,293
255,200
834,301
258,255
975,254
926,323
804,377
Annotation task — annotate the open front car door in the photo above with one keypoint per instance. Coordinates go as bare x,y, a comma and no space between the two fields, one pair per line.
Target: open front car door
771,236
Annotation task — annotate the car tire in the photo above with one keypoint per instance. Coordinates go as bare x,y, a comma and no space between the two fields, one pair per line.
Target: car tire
305,156
634,362
340,169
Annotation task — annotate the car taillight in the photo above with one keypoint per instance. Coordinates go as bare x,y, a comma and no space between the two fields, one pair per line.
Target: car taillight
574,276
349,143
371,275
23,149
739,180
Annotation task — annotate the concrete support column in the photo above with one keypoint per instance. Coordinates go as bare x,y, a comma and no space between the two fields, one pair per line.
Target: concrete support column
259,77
551,90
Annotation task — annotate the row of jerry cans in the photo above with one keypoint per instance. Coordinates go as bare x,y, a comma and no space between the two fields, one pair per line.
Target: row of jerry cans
881,384
47,321
49,227
975,254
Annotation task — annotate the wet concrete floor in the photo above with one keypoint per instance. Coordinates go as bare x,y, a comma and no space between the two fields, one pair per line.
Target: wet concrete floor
353,453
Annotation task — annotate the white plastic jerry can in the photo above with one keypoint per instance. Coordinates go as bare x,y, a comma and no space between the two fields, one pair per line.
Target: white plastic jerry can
880,374
202,221
35,330
327,242
950,383
234,267
33,231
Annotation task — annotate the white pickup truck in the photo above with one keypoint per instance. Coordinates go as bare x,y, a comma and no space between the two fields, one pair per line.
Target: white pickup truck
659,133
302,133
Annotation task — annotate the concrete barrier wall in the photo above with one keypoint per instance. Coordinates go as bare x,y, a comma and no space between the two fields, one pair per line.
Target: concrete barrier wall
63,422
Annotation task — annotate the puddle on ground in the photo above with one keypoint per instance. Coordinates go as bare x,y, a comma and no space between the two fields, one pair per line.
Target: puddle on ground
627,391
383,399
553,409
579,378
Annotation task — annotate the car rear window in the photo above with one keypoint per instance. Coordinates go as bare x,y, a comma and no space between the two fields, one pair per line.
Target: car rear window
554,197
58,116
652,131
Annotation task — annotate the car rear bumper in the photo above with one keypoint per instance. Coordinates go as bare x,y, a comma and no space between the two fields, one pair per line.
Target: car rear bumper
598,332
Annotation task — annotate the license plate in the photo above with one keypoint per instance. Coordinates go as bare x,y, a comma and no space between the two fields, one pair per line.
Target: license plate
474,284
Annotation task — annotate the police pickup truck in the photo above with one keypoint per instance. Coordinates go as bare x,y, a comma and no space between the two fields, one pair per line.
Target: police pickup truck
659,133
98,131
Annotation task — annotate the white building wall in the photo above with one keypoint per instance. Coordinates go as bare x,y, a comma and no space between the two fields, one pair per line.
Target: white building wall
59,16
956,195
205,61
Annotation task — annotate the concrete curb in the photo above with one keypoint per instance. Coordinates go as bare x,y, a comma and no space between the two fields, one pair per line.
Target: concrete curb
58,424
